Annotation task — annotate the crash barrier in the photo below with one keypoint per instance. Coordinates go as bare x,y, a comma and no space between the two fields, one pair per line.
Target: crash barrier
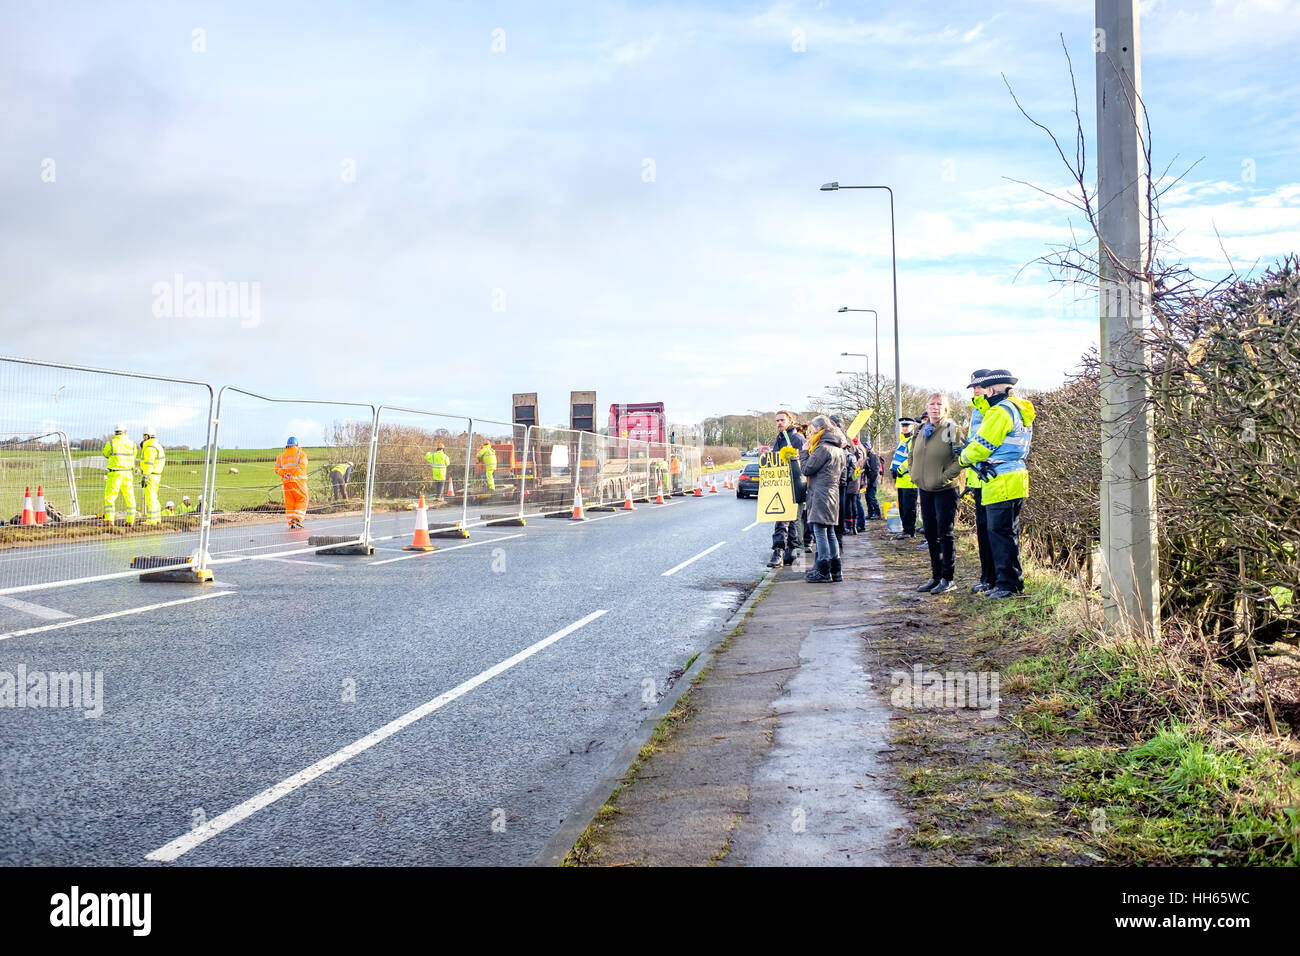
356,475
55,420
421,453
253,510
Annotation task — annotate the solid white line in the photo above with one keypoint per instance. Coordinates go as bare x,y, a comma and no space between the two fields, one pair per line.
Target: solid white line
454,547
35,610
689,560
225,821
113,614
747,527
310,564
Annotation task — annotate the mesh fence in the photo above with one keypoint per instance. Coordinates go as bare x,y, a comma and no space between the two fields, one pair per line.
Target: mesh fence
691,468
419,453
106,494
496,474
269,498
553,458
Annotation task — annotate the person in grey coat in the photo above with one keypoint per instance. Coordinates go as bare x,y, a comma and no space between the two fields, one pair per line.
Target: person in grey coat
823,469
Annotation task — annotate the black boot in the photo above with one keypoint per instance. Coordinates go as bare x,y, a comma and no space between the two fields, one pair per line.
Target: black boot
788,557
928,584
837,571
819,574
775,560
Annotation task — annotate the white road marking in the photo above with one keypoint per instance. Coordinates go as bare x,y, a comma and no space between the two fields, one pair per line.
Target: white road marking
310,564
748,526
113,614
454,547
35,610
672,571
218,824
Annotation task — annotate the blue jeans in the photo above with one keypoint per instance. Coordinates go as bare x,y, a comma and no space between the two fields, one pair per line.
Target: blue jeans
828,548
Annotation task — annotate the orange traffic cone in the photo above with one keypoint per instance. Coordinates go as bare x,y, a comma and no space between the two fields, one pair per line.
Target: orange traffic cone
713,488
41,516
699,492
726,482
578,513
627,500
421,540
659,497
29,516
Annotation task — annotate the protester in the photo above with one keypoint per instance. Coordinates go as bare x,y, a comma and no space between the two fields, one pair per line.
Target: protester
844,482
903,481
823,468
871,473
857,481
934,468
786,446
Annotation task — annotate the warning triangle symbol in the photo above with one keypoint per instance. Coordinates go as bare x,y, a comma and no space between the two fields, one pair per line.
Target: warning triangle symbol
775,506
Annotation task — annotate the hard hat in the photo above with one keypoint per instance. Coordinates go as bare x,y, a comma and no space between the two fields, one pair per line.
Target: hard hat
291,441
150,431
441,445
172,504
118,429
183,498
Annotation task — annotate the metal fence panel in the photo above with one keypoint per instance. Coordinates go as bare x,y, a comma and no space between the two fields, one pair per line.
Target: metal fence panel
407,465
495,473
55,420
554,467
251,506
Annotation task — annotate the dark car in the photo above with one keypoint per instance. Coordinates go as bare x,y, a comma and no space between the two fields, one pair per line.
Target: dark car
747,482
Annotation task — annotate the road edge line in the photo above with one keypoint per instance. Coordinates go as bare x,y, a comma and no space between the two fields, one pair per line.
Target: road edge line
557,847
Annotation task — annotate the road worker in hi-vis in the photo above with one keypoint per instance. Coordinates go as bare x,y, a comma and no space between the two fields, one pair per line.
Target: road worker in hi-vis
119,453
340,475
291,466
487,457
185,507
438,462
152,458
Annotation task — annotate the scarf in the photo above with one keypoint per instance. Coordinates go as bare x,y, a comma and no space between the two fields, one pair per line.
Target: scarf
815,440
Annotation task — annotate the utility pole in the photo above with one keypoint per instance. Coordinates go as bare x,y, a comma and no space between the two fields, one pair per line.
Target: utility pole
1131,579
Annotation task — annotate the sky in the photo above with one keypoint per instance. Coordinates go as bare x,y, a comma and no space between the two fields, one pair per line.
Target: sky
439,204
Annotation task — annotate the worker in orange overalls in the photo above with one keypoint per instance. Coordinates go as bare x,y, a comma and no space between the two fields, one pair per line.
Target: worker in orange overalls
291,466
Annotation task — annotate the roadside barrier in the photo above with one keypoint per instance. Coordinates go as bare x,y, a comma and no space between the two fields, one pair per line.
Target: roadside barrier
353,477
55,420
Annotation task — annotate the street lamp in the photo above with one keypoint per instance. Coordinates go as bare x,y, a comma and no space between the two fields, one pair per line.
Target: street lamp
757,440
876,316
893,258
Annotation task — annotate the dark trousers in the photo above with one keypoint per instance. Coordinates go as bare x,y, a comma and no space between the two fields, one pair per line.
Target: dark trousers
938,515
440,488
907,510
988,573
859,514
873,503
339,487
785,535
807,525
1004,542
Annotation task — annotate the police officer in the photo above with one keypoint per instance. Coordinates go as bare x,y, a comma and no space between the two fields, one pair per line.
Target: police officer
119,453
903,480
998,452
152,460
979,405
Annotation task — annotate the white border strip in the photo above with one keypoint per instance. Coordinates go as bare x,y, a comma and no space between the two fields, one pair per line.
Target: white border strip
113,614
673,571
454,547
200,835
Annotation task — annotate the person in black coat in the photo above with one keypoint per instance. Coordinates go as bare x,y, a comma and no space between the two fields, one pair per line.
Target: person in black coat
785,534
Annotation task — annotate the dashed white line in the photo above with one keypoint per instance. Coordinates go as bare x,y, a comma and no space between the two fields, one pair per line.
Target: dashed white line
35,610
199,835
113,614
454,547
672,571
748,526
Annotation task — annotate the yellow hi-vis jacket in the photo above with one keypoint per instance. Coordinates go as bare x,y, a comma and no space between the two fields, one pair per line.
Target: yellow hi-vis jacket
979,407
1003,440
438,461
119,452
152,457
488,456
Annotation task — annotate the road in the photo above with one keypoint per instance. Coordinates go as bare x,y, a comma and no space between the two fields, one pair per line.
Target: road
239,727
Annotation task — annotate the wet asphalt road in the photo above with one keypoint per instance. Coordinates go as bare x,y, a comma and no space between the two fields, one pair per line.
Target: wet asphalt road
285,662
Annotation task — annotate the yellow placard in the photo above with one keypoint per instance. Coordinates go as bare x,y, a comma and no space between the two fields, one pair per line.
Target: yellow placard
859,420
775,495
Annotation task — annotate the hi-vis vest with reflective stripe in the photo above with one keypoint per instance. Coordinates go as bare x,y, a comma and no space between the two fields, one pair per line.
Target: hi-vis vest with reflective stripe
439,462
899,464
292,463
152,457
978,406
1003,441
119,452
488,456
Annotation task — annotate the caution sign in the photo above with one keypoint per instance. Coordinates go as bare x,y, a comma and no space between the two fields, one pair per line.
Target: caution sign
859,420
775,496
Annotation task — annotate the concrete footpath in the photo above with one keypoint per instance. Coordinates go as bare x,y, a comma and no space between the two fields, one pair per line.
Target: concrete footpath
779,759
